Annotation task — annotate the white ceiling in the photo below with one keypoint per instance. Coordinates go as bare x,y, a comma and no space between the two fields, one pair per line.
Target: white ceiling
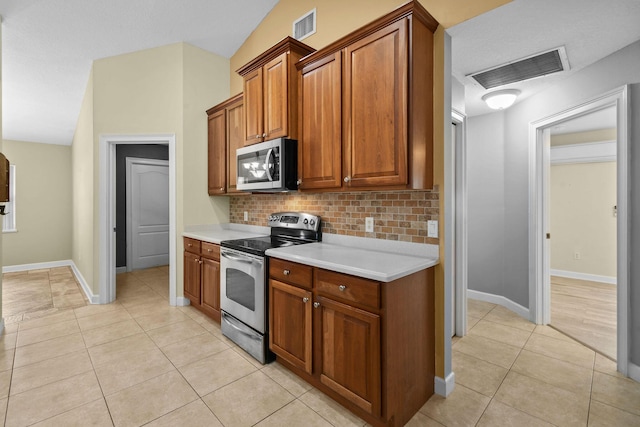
589,30
49,45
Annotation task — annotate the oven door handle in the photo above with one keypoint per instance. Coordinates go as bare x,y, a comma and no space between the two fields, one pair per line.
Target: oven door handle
238,258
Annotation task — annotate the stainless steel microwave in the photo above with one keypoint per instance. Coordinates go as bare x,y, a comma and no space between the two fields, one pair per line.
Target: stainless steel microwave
269,166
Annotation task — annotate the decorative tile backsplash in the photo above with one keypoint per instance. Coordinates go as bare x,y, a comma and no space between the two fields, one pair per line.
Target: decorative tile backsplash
397,215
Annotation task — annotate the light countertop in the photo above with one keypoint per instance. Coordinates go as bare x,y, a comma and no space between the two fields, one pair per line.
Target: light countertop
375,259
377,265
216,233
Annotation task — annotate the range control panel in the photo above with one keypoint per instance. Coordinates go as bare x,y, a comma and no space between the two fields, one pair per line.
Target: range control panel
295,220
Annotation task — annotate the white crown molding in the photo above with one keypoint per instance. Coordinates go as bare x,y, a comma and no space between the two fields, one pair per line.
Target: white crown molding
591,152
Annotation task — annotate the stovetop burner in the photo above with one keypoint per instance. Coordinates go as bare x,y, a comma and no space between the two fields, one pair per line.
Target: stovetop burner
287,229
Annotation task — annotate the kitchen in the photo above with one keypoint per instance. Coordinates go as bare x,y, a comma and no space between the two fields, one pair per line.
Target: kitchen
191,186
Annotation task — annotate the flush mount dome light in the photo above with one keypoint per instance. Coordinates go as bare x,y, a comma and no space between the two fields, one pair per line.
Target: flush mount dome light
501,99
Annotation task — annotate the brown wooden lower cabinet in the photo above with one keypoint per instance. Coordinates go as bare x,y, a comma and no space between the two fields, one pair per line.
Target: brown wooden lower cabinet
368,345
202,276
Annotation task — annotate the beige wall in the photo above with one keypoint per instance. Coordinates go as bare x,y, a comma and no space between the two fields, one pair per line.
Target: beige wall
165,90
599,135
205,83
43,189
82,241
582,199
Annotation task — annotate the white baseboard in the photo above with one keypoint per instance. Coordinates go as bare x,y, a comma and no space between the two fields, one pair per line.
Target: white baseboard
36,266
120,270
1,325
500,300
93,299
633,371
444,386
182,301
584,276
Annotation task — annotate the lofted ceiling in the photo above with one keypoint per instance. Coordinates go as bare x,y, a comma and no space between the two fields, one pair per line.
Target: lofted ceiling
48,45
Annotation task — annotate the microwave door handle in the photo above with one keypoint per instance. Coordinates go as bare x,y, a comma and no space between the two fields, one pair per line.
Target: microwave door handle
269,155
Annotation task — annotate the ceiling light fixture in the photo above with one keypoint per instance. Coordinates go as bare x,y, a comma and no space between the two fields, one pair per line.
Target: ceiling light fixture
501,99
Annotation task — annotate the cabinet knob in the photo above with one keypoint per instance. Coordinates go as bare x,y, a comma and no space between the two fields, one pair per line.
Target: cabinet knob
264,135
316,304
347,179
189,244
209,250
196,260
199,261
286,272
221,188
305,300
299,182
342,288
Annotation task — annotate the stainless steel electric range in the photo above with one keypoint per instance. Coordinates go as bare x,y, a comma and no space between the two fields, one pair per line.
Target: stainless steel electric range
243,279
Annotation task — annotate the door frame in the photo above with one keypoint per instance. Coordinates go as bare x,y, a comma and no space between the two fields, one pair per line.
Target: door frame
460,212
107,212
539,170
129,162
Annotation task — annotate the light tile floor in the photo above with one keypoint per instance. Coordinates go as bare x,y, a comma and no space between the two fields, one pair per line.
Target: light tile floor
140,362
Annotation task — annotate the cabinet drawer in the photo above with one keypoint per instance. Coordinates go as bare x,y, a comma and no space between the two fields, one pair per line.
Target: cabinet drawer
349,288
211,250
192,245
291,272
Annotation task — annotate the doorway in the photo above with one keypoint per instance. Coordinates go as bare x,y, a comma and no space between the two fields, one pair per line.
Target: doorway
582,203
539,230
107,211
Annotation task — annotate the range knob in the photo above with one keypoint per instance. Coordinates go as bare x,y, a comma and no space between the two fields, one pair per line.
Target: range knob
306,221
312,222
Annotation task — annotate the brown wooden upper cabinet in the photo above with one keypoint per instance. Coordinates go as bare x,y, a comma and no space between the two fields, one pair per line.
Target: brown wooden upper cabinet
366,107
226,134
271,92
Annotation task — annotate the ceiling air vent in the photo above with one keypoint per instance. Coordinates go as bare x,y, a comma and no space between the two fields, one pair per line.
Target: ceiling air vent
304,26
538,65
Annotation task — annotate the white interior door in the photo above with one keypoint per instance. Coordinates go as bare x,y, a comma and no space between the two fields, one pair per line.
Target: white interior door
147,213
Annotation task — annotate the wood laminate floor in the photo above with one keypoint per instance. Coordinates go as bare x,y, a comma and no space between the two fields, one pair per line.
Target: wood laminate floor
586,311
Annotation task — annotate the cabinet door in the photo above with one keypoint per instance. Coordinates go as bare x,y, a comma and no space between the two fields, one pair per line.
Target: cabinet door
211,286
276,95
217,153
290,323
192,277
347,352
235,140
320,144
375,107
253,105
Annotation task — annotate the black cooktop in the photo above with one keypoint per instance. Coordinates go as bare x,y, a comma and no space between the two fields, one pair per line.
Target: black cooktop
258,245
287,229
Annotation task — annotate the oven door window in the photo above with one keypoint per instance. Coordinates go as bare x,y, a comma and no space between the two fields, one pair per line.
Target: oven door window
241,288
259,166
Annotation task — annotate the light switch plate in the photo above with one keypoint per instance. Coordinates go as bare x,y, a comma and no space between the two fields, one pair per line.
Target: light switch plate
368,224
246,216
432,229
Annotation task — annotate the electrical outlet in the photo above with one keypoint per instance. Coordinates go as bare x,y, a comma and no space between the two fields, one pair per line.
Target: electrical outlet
432,229
368,224
576,255
246,216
